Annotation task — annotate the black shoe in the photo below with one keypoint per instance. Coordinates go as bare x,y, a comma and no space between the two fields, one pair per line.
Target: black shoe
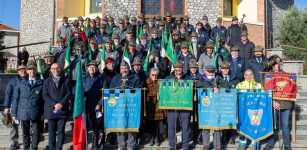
14,147
268,147
288,148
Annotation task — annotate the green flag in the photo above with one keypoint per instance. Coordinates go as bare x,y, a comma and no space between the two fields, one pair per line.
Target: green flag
79,93
103,57
164,44
190,47
215,51
89,49
145,65
39,68
169,50
50,48
67,54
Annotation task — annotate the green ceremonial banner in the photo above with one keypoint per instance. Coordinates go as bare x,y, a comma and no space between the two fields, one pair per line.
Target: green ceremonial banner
176,94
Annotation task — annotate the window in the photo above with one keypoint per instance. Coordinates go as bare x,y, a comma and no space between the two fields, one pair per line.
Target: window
175,7
94,8
161,7
151,7
230,8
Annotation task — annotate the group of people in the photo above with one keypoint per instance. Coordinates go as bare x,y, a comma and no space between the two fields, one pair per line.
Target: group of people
33,96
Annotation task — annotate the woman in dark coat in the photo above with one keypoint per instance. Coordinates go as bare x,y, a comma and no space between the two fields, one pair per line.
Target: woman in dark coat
154,115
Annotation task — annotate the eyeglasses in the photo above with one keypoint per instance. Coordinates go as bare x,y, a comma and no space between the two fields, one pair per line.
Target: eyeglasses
154,75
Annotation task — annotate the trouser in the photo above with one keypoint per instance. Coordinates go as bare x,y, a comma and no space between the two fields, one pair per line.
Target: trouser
93,124
26,126
156,130
228,134
56,127
184,120
121,138
216,138
284,120
14,135
243,142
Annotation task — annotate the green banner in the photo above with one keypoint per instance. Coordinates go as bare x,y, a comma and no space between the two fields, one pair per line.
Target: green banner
176,94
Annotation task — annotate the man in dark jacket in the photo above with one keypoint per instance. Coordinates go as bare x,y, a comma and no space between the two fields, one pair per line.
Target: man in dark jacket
256,63
211,80
182,115
219,30
8,98
234,31
237,65
138,70
23,57
121,81
194,75
203,35
49,60
56,94
156,61
93,83
185,56
245,47
29,91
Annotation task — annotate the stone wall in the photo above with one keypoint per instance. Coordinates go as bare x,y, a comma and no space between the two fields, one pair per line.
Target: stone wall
36,21
198,8
119,8
276,9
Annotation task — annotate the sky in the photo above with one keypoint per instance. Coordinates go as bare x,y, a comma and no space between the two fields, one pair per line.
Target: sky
10,11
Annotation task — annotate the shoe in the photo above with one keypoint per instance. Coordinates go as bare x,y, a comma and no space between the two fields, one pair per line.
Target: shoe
241,147
156,145
268,147
288,148
14,147
219,148
232,141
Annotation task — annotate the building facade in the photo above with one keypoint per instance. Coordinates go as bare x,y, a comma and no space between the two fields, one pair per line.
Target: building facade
261,15
11,39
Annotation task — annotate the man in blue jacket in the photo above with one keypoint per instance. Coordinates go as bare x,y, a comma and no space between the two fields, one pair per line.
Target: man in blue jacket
8,98
93,83
56,94
121,81
27,106
237,64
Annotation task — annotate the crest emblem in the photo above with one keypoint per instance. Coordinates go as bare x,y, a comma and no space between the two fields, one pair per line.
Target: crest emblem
255,116
205,101
280,85
112,102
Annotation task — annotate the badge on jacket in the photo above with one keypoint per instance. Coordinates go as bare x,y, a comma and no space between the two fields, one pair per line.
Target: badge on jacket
239,65
36,92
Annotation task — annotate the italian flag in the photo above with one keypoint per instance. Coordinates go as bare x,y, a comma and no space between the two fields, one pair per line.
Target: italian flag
39,68
138,34
67,54
103,57
79,131
126,56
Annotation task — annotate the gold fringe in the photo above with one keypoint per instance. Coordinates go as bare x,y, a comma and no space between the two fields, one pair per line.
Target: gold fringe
284,99
257,140
122,130
217,128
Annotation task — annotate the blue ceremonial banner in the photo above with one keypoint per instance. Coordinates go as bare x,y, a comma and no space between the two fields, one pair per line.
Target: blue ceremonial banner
122,110
255,115
217,110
